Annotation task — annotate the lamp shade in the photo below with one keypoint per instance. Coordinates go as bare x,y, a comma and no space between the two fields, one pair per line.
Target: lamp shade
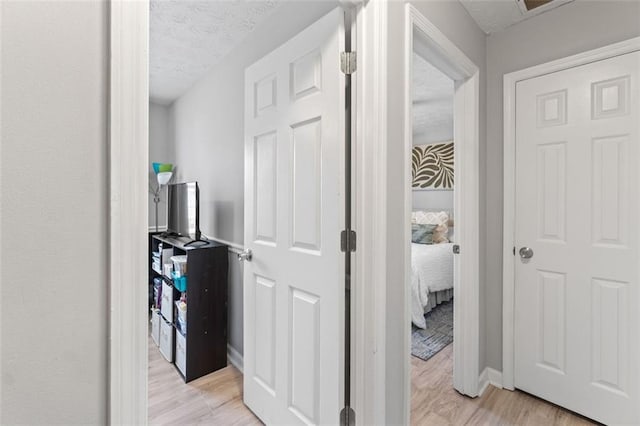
164,177
165,167
162,167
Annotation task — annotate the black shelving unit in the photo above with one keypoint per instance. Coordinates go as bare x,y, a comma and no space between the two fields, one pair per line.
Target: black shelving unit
202,347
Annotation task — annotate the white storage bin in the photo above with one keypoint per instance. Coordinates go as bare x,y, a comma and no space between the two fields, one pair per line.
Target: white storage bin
179,265
155,326
181,353
166,307
165,259
166,340
167,270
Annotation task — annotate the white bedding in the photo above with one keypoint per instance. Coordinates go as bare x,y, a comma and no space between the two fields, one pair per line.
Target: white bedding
431,271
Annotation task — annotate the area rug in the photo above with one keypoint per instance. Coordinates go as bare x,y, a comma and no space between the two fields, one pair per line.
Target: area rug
438,334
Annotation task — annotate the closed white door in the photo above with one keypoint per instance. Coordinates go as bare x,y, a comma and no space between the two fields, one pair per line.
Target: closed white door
577,321
294,283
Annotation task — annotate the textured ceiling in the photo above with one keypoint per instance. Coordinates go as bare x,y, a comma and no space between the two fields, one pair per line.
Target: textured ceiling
496,15
188,38
432,103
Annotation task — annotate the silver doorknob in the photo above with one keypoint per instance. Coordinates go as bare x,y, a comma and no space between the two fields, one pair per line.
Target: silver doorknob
526,253
245,255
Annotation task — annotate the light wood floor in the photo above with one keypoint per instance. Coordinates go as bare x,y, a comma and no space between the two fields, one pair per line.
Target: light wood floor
216,399
435,402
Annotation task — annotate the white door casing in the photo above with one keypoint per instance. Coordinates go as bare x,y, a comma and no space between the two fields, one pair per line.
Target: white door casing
576,317
293,287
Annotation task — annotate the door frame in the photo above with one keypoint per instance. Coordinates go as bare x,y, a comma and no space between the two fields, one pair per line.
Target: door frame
377,360
128,223
428,41
509,243
369,176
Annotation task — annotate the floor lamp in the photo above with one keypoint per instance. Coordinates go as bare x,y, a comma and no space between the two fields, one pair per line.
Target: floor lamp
163,177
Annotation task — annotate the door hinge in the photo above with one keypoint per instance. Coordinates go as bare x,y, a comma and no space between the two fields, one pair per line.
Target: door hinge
348,241
514,250
347,417
456,249
348,62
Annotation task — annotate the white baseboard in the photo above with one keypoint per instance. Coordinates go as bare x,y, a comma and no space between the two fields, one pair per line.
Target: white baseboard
488,377
235,358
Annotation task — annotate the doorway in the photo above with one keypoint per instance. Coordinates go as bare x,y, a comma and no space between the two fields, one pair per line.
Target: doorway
432,216
424,40
129,43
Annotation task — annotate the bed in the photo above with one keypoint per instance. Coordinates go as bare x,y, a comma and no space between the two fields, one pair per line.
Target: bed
431,278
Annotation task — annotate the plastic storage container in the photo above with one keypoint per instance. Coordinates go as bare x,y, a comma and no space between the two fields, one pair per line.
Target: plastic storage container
168,270
179,281
179,265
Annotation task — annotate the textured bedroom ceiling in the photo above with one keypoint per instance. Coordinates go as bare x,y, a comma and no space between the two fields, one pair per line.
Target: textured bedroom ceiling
188,38
432,103
496,15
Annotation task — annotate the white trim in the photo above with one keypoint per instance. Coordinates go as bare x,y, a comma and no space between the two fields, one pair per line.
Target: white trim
235,358
128,134
435,47
488,377
369,192
508,270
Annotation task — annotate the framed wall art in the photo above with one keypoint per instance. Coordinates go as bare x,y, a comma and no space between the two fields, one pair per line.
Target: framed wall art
432,166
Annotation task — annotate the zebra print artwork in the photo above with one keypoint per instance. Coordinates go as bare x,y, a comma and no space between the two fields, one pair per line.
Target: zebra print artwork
432,166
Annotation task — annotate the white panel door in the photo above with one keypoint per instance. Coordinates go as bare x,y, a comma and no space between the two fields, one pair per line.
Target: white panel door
294,284
577,322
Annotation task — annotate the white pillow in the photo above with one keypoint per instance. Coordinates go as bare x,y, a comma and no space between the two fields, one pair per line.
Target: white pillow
439,218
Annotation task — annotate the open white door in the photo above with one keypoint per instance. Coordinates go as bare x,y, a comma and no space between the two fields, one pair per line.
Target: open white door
294,281
577,288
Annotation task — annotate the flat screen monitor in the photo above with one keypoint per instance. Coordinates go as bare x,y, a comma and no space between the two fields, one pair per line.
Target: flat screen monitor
183,216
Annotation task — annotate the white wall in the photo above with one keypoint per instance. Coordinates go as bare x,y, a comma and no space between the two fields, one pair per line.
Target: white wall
161,150
54,213
567,30
453,20
209,138
433,199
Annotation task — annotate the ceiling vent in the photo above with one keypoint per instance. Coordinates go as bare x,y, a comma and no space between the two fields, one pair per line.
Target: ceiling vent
534,7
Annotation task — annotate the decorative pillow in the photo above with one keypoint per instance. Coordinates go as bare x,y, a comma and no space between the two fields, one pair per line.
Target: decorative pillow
422,233
438,218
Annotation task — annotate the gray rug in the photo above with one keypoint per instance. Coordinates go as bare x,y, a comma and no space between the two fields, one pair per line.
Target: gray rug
438,334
